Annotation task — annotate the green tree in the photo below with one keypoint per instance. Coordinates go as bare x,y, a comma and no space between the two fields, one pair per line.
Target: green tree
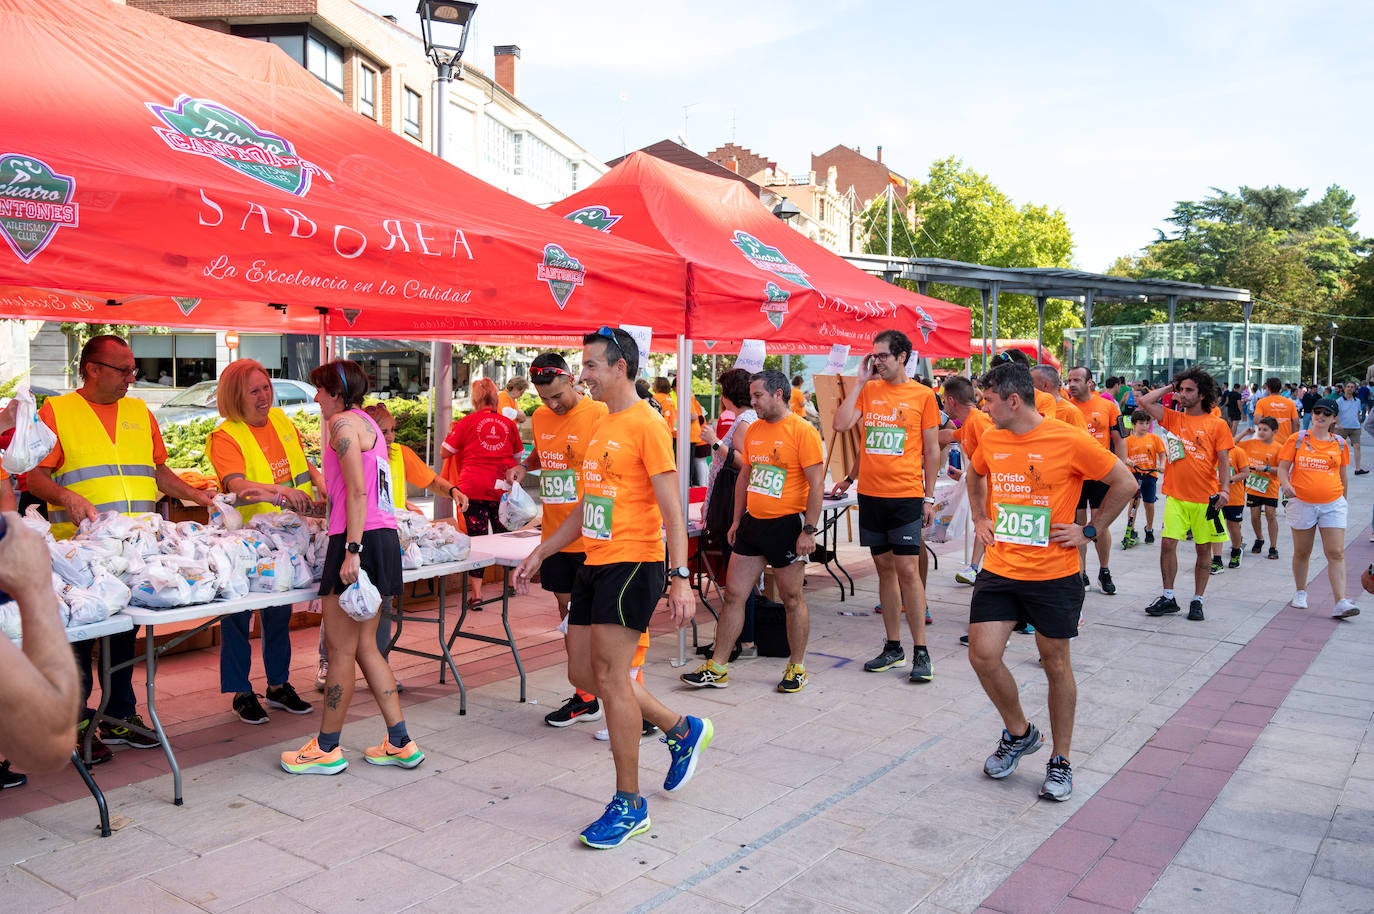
959,214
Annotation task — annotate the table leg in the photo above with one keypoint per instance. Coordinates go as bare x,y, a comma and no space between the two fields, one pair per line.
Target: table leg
150,651
96,792
444,647
505,623
104,700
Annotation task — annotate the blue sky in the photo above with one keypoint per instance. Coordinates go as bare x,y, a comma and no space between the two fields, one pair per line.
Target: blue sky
1110,112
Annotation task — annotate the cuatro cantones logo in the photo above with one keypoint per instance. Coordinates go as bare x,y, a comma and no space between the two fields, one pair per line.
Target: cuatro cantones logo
597,217
767,257
35,202
775,304
563,272
204,128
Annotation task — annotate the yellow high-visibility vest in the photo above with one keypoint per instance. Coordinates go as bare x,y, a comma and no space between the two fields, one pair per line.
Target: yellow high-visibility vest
255,465
398,477
114,475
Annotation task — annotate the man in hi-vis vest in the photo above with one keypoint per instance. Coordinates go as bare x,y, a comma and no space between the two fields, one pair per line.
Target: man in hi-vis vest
109,456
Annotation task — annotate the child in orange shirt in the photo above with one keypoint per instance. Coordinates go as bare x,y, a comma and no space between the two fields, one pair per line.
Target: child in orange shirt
1145,455
1262,482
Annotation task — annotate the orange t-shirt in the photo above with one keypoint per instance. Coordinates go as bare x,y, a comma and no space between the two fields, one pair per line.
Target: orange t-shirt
1100,416
1034,481
1263,455
227,457
620,517
1240,464
892,418
1046,405
1143,453
1282,410
797,402
108,414
972,431
504,401
1194,477
561,442
1316,472
418,473
777,454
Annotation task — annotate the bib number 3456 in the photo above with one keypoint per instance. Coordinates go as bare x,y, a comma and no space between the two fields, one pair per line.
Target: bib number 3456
1024,525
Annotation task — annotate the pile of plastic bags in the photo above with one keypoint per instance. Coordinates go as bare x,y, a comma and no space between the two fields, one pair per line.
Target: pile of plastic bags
424,543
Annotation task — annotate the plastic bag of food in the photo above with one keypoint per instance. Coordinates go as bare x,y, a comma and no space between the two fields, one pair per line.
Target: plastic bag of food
360,599
516,508
112,593
32,438
71,562
222,513
10,622
272,574
302,577
158,587
411,557
37,522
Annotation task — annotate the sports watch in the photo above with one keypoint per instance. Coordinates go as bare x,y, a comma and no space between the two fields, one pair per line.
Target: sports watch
811,529
1090,532
680,572
353,548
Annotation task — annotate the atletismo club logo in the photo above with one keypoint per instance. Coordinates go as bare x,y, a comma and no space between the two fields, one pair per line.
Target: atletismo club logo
204,128
925,323
597,217
775,304
35,202
563,272
769,258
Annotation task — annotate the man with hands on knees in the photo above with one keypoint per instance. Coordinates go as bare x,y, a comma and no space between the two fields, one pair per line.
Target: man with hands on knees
629,507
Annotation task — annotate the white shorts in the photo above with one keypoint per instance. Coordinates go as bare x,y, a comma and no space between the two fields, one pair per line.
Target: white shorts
1304,515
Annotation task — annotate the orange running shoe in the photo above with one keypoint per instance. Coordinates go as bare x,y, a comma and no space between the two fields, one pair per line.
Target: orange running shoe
408,756
310,759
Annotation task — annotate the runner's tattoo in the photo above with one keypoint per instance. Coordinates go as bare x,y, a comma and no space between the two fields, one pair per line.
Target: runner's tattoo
333,697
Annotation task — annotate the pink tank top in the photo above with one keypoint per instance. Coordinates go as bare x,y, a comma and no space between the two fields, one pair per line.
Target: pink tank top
377,473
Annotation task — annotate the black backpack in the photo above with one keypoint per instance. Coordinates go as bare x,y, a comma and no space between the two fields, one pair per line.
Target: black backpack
720,506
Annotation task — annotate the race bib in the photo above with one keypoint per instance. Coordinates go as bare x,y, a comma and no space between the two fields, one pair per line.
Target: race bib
1173,448
1257,482
884,442
558,487
768,480
385,502
596,517
1024,525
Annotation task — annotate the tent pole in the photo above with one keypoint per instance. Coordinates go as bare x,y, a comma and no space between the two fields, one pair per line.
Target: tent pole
1039,326
1173,306
1246,308
1088,329
441,374
684,452
985,292
996,288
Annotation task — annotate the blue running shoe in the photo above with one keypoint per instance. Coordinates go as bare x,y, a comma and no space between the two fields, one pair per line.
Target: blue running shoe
618,824
686,752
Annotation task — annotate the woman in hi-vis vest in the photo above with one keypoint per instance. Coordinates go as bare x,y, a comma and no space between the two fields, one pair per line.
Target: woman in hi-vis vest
259,456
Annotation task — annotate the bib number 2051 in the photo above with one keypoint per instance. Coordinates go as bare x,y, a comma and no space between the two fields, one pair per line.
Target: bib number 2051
1024,525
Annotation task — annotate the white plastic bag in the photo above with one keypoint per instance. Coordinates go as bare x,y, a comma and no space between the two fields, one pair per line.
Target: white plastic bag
222,514
37,522
361,599
411,557
516,508
950,503
32,438
272,574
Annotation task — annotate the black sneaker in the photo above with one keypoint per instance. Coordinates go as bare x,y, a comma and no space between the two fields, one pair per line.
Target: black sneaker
1104,578
963,639
649,729
921,670
1235,559
1162,607
575,710
10,778
1216,564
1149,536
115,734
1273,552
285,697
1195,611
1257,548
889,658
1087,581
248,709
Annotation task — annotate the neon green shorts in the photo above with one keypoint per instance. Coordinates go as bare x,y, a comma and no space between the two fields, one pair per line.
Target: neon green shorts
1181,516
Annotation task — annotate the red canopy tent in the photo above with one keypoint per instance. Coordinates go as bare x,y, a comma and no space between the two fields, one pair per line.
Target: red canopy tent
153,172
749,275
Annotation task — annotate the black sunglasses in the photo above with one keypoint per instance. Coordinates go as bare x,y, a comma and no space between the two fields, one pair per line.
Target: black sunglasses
1322,411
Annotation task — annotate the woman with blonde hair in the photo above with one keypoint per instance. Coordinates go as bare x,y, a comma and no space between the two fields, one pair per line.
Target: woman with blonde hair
259,456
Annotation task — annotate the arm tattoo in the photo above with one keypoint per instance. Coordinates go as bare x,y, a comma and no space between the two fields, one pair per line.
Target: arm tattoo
333,697
341,445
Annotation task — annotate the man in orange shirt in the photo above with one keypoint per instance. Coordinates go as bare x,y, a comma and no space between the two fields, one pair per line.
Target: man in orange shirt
961,405
1024,481
1283,410
898,465
1102,417
797,402
628,509
1049,400
777,505
1197,481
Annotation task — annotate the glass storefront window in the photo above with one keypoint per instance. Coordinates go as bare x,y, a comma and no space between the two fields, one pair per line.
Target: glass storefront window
1141,351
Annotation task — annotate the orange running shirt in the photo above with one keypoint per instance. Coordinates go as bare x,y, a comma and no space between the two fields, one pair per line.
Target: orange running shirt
1047,406
1099,416
1316,472
1259,480
1143,453
108,414
504,401
418,473
797,402
227,457
562,444
1240,466
1282,410
620,517
1034,481
1194,477
892,418
972,431
777,454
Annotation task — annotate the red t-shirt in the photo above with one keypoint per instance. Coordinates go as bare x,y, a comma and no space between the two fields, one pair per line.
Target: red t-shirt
485,444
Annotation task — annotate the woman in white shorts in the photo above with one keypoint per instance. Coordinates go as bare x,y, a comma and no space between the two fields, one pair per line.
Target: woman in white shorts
1314,473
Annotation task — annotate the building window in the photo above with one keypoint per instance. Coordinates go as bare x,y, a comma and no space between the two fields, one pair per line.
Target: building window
305,46
367,91
411,119
516,143
183,358
500,145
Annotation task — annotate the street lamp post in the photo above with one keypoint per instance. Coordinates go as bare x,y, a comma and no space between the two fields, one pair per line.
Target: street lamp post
1331,354
444,28
786,210
1316,349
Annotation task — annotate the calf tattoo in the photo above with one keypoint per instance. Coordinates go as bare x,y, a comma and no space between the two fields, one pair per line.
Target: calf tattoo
333,697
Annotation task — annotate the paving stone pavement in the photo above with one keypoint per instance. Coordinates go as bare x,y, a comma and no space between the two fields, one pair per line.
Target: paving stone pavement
1222,766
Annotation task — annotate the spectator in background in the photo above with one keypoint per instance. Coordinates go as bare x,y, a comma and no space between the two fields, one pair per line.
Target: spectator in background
1364,394
1348,423
164,378
797,401
663,396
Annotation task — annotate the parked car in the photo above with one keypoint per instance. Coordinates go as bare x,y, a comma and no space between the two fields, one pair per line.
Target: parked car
198,401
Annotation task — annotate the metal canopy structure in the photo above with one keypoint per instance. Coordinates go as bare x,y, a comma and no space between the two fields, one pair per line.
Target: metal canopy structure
1043,283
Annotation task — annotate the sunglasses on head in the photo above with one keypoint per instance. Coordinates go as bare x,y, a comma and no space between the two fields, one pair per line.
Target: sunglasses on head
548,374
610,336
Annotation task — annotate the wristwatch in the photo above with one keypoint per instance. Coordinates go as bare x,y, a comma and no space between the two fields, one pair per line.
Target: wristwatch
811,529
1090,532
353,548
715,446
680,572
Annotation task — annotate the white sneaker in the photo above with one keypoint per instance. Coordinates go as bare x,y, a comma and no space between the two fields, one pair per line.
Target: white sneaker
1299,600
319,676
603,734
966,575
1344,609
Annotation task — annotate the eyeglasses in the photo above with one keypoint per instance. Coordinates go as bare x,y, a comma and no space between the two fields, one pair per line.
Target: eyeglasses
881,356
548,374
129,372
1322,412
610,336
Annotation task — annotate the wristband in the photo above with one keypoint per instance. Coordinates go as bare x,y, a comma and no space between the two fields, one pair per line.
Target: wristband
930,499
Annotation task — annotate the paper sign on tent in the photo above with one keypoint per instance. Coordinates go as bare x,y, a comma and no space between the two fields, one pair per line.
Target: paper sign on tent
913,364
839,354
750,357
644,338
